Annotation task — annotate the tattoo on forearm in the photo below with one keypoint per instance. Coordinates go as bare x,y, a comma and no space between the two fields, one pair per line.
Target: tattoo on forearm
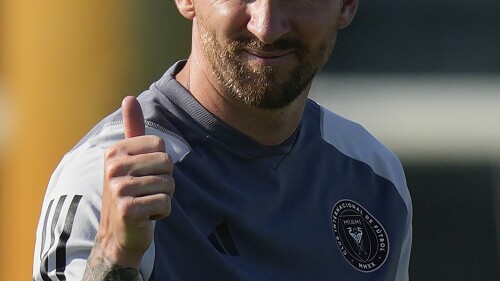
99,269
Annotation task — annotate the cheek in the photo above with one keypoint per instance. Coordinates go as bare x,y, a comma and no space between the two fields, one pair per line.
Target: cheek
227,19
315,19
316,30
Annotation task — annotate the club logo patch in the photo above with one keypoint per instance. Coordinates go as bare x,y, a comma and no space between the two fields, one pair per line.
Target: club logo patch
360,237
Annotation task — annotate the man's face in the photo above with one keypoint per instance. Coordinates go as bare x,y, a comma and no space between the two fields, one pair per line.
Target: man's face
265,53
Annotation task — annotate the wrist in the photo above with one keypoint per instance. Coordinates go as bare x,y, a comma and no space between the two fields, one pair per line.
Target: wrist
101,267
118,272
115,256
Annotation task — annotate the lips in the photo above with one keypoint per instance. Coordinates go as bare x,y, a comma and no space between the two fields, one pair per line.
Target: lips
270,58
269,54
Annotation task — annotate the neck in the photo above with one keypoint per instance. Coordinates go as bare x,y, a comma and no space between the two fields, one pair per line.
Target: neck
266,126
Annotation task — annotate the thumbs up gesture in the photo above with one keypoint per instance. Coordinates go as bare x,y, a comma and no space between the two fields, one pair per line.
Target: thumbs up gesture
138,187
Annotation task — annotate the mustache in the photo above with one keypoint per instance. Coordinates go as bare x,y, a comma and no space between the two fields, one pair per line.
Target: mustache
282,44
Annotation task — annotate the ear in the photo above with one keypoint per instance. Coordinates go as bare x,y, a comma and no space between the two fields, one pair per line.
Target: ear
347,13
186,8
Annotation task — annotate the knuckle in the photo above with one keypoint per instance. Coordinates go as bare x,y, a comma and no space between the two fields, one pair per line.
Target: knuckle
123,186
113,168
158,143
166,183
168,161
164,198
118,187
126,210
111,152
170,185
114,186
129,209
166,206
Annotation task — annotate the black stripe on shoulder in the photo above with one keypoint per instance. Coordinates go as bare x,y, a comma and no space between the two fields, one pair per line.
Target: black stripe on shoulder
44,265
63,239
44,231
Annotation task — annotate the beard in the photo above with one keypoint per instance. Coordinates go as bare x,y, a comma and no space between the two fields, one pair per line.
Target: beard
263,86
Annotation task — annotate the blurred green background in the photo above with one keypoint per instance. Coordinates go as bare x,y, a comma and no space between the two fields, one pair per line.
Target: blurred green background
422,76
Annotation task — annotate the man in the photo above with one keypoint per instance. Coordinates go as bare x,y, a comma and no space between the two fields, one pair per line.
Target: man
268,184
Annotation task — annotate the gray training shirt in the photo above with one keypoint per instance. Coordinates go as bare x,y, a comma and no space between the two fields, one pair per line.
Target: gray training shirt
330,203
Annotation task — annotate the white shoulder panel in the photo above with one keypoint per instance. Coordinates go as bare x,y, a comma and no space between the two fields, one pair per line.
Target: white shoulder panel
357,143
71,209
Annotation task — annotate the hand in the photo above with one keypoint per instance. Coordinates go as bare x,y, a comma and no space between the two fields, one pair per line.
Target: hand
138,187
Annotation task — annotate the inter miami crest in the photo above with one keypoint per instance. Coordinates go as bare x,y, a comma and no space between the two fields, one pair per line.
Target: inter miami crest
360,237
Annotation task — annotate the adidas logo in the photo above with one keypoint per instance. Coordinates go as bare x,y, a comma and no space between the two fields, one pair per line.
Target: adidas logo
222,241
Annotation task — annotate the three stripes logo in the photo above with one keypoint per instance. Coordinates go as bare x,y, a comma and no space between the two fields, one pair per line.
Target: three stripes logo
64,208
67,213
222,241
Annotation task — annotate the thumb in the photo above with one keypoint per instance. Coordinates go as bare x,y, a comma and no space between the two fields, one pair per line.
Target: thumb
133,119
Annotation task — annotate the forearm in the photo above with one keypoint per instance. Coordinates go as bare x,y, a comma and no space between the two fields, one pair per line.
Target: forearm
99,268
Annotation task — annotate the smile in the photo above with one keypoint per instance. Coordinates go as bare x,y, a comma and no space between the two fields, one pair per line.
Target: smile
265,57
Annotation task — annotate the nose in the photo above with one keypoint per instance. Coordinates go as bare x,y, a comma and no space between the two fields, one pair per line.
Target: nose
269,20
